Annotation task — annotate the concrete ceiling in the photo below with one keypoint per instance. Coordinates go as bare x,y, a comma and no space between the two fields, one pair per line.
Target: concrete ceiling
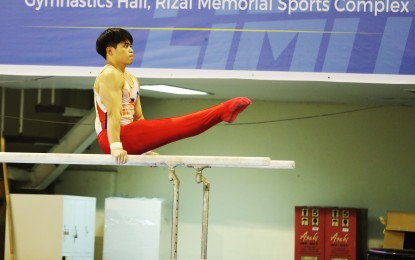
315,91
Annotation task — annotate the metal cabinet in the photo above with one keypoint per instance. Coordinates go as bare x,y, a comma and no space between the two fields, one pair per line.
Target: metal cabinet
51,227
136,228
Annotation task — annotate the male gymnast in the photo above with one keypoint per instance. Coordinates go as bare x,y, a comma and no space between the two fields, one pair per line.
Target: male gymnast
120,123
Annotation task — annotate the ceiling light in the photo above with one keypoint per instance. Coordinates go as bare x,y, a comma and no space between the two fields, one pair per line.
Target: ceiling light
173,90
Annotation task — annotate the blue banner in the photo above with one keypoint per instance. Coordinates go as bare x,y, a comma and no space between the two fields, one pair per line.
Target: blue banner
345,36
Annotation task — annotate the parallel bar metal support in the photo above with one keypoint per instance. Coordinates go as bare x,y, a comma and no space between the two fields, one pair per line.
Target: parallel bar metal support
175,220
205,212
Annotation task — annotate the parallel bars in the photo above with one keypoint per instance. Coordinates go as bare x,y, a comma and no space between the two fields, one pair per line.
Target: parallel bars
197,162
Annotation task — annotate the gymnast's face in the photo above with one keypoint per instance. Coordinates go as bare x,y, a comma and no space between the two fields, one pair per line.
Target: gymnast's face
122,53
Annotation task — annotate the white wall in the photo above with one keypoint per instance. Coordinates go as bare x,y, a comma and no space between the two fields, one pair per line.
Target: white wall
357,159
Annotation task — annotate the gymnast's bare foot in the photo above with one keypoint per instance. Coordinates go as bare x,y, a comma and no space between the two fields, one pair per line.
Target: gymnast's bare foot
234,107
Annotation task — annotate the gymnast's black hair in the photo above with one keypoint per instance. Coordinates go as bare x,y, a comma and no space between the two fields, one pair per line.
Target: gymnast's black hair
111,37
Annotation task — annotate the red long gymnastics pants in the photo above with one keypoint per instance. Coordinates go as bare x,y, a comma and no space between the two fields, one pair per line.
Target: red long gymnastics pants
142,136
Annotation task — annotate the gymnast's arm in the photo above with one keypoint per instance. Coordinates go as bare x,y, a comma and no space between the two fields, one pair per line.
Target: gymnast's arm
110,91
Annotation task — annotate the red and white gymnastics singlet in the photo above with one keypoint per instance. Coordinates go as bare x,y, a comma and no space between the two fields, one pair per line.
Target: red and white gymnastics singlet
129,99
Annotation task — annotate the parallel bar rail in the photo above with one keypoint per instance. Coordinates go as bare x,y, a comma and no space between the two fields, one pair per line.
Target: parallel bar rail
146,160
